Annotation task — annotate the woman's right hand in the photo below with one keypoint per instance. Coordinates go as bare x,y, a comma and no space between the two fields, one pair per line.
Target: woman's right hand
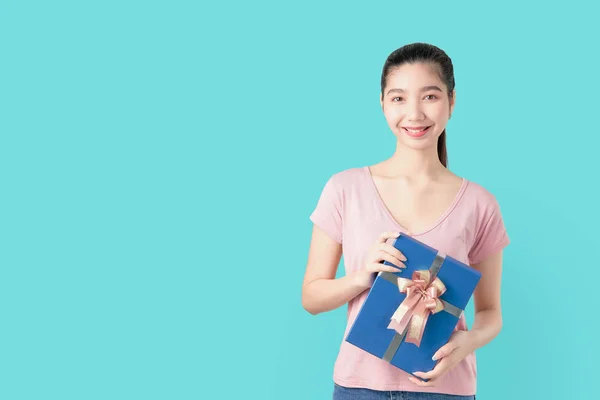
380,251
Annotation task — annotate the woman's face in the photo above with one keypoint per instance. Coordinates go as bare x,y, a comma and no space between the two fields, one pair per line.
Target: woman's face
416,105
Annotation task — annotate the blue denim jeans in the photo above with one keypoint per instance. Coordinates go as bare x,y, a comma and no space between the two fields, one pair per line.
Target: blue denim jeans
344,393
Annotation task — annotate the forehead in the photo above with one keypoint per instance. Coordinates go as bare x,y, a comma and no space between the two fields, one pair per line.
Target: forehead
413,76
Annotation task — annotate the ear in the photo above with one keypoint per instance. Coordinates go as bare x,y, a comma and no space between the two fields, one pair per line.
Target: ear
452,102
381,100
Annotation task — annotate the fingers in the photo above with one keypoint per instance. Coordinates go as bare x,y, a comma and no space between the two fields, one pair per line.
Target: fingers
387,235
432,376
421,383
377,267
444,351
383,251
391,259
388,248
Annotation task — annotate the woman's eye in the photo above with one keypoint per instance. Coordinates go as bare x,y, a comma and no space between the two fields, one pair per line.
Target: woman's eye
428,97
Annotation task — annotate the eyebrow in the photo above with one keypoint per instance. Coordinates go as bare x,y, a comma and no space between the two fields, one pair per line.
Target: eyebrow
423,89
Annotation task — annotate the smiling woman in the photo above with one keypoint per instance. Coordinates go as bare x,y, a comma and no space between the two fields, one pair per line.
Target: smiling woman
413,192
404,102
421,130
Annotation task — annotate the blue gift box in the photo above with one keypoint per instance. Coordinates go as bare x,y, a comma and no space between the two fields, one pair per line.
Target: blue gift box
370,330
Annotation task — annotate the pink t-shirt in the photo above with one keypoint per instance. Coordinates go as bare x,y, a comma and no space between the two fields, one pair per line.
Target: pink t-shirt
352,213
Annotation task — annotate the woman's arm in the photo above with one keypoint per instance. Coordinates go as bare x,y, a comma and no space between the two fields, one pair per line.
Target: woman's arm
486,325
488,316
321,291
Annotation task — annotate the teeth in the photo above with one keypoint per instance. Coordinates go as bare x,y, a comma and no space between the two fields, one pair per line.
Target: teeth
415,130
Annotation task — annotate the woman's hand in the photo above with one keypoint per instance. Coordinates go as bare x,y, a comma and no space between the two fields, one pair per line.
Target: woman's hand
450,354
380,251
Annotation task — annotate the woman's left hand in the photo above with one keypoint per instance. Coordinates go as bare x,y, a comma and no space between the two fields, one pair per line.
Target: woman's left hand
453,352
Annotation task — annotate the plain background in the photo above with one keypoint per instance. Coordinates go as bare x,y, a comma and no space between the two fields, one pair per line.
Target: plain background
159,161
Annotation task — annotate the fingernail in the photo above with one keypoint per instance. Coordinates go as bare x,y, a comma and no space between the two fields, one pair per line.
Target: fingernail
434,358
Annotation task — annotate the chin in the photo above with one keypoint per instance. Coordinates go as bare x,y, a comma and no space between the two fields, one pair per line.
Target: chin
419,143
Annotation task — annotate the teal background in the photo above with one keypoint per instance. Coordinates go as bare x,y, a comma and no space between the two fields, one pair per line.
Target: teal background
159,161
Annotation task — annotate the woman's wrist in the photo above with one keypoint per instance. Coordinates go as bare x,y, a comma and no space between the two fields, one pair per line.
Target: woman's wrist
486,326
361,280
328,294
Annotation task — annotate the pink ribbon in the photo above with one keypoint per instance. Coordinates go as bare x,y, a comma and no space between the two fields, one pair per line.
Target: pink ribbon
421,300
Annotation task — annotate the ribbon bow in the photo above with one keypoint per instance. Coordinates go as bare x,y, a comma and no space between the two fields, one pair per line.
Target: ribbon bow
421,300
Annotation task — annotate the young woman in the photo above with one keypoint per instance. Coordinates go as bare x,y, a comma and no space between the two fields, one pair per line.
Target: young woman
362,209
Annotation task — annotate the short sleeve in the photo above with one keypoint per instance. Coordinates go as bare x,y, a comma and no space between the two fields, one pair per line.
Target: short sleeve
491,236
327,215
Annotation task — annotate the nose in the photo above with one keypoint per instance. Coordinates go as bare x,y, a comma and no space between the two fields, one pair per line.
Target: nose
414,111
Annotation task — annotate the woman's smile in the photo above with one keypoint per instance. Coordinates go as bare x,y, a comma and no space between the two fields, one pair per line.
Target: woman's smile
416,131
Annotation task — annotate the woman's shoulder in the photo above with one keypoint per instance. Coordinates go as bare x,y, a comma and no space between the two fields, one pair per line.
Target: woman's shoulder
349,176
478,194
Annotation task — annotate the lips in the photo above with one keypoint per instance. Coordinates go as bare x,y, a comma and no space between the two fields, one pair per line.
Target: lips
417,130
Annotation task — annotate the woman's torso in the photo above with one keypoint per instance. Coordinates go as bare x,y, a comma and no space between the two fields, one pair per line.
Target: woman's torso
373,205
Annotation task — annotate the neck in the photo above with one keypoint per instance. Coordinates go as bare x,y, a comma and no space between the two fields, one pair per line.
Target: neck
416,165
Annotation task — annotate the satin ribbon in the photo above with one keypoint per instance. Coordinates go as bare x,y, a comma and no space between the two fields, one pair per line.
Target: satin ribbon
422,300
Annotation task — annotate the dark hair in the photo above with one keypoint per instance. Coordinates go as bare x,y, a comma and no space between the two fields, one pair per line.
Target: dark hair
426,53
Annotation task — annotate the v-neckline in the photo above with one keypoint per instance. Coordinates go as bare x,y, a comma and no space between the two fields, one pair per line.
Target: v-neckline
457,197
